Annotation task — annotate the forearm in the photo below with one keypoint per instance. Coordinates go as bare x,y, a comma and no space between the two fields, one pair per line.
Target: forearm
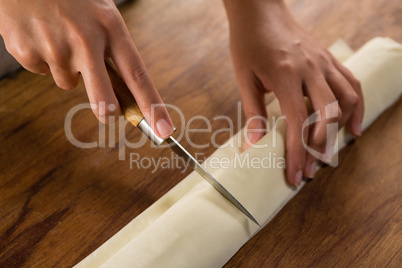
251,6
258,14
271,52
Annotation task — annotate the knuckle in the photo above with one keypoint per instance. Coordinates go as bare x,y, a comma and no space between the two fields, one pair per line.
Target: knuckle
53,49
286,66
80,37
139,74
333,73
318,138
333,115
353,99
318,142
12,49
17,46
111,19
357,84
350,100
323,56
310,62
56,55
84,40
26,56
301,119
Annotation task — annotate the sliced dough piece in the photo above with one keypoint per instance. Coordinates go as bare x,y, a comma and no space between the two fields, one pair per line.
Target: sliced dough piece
194,226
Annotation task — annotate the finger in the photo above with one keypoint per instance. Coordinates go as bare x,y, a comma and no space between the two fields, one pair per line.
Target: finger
358,113
64,77
310,167
31,61
58,56
321,142
38,68
344,93
294,108
25,53
252,95
133,71
103,101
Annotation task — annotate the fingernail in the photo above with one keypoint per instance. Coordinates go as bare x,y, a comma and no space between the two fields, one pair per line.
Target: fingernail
358,129
164,129
298,177
311,169
252,137
329,154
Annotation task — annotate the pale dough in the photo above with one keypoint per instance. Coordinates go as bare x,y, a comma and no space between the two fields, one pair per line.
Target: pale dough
341,50
194,226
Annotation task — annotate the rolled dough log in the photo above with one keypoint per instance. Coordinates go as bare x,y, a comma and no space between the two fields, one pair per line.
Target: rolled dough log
341,50
194,226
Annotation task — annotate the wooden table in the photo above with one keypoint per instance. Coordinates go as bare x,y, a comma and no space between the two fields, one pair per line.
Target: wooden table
58,203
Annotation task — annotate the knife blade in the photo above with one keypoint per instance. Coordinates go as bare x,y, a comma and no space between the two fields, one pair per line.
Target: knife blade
133,113
179,150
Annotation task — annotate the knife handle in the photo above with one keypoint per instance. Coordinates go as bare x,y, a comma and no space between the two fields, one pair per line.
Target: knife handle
128,105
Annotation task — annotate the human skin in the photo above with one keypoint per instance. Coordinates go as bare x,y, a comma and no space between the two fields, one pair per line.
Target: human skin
272,53
73,38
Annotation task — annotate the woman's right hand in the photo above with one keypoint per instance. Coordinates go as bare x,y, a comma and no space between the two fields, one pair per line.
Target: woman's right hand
69,38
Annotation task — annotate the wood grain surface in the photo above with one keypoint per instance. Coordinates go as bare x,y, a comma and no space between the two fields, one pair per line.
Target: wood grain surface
58,203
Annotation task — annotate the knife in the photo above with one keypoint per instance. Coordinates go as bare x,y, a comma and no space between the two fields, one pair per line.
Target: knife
133,113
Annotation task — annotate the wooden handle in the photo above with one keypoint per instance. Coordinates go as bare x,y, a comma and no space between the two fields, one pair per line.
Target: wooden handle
128,105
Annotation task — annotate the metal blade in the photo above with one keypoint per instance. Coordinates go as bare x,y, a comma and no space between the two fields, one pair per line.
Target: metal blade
178,149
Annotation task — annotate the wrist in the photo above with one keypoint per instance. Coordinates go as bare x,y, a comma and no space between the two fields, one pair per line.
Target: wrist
252,4
254,12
